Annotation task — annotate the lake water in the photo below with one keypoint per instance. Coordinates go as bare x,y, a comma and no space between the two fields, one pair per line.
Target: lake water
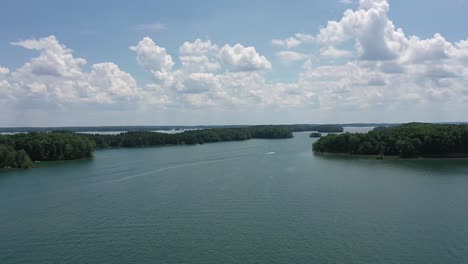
170,131
257,201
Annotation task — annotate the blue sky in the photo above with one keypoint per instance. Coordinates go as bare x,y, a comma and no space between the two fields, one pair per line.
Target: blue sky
277,83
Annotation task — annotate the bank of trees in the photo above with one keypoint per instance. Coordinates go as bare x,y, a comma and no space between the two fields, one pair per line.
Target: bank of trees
14,159
18,151
315,135
409,140
293,128
139,139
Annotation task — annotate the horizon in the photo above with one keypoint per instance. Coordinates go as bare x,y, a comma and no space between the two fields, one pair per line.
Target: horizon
347,124
123,64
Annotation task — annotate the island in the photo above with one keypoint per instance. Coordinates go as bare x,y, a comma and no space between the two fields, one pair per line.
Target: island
315,135
413,140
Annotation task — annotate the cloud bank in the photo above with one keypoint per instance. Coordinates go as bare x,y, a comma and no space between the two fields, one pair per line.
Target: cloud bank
359,63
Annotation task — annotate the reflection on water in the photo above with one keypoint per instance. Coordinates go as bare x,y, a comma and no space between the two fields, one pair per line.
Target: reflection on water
434,166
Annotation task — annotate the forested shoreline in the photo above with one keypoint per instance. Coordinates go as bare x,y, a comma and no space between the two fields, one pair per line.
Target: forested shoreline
21,150
295,128
143,139
406,141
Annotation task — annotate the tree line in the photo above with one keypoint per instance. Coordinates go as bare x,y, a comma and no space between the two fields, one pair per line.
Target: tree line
294,128
140,139
406,141
18,151
21,150
315,135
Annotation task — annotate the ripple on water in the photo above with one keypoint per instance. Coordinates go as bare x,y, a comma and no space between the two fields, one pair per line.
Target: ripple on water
233,203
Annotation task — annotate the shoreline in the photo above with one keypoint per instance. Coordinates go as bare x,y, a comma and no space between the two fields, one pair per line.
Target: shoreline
458,156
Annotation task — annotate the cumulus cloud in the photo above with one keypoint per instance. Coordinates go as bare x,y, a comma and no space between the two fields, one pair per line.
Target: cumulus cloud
236,81
152,57
370,27
4,70
199,56
117,83
385,63
210,76
361,64
240,58
418,50
54,59
200,83
56,78
198,47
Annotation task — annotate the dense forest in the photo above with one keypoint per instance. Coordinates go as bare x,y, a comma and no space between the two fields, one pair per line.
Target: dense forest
140,139
20,150
315,135
406,141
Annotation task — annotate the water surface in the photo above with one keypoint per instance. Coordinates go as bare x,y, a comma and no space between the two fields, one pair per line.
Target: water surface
257,201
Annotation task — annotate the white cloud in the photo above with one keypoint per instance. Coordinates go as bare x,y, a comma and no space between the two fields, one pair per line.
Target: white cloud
369,26
362,64
4,70
199,56
418,50
298,39
385,63
55,59
152,57
335,53
240,58
56,78
199,83
461,50
289,42
198,47
113,81
291,56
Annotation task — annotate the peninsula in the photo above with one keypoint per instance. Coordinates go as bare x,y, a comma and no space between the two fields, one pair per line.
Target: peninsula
21,150
413,140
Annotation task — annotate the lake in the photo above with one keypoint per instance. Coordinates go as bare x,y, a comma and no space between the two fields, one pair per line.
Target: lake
257,201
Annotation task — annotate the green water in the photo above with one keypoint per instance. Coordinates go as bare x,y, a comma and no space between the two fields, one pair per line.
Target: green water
234,203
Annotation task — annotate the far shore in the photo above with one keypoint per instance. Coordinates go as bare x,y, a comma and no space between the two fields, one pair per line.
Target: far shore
455,156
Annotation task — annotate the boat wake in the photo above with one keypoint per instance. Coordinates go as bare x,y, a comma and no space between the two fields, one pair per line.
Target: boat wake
186,164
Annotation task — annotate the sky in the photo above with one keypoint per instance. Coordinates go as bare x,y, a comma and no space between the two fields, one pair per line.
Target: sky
78,63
